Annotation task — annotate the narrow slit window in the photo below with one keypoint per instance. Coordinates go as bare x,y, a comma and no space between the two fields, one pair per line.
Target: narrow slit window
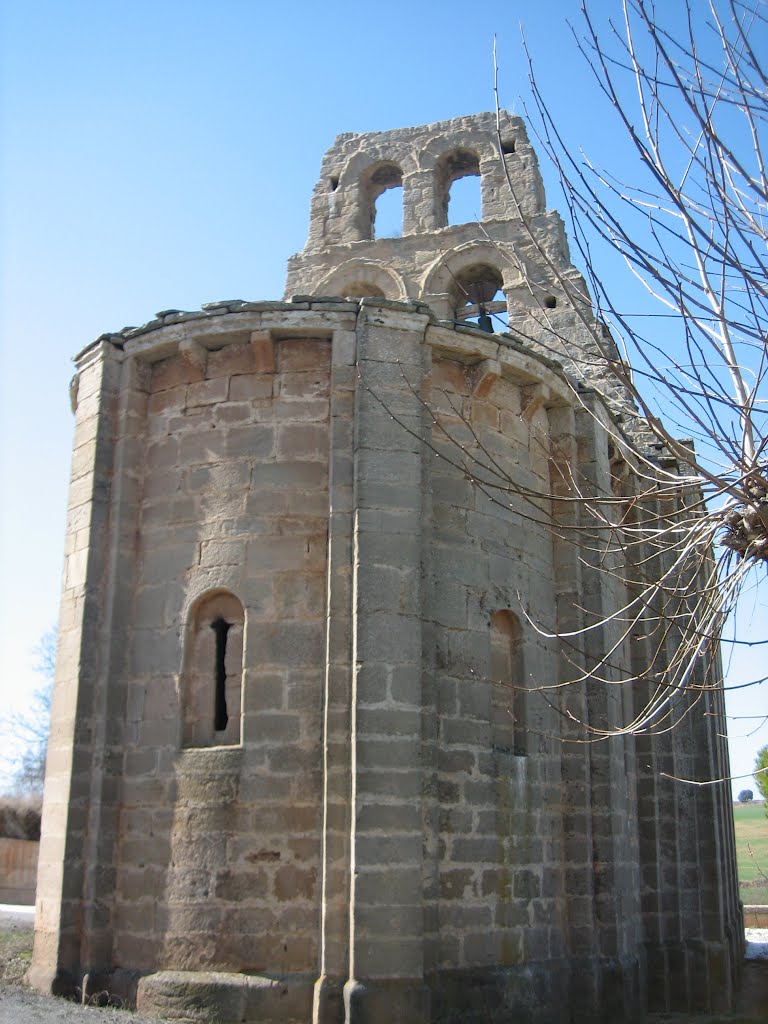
212,672
220,627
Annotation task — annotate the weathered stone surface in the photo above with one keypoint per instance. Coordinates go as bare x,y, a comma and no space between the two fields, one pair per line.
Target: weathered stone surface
210,997
297,737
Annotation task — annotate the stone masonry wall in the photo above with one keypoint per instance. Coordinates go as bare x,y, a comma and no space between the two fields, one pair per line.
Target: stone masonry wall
75,747
499,873
234,495
392,812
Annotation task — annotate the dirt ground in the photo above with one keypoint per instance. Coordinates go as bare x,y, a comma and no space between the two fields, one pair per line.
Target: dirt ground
19,1005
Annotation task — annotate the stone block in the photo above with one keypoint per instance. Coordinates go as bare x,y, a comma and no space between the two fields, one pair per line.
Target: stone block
220,478
206,999
396,752
279,998
310,384
202,446
271,727
297,476
167,563
292,760
239,886
254,441
401,785
389,721
232,359
269,554
295,883
302,441
388,817
250,386
154,652
222,552
301,410
475,850
228,413
300,594
207,392
344,348
386,637
263,349
299,354
173,372
290,643
401,849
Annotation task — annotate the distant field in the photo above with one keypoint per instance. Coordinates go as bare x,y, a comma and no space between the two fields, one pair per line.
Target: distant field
752,835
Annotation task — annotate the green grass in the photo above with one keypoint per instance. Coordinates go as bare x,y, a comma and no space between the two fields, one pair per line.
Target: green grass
752,851
15,955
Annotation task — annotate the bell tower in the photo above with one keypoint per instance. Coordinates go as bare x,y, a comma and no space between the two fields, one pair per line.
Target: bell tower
510,271
429,260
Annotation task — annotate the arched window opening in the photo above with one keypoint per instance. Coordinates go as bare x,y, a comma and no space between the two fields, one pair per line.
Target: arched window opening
385,196
509,718
458,184
213,672
464,200
478,298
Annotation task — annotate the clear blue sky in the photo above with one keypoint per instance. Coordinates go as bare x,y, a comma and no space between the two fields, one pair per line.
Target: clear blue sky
162,154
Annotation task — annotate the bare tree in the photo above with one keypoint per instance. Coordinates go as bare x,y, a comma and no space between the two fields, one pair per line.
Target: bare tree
692,226
685,529
28,730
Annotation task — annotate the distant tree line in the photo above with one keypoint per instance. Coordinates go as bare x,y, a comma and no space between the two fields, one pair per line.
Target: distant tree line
20,817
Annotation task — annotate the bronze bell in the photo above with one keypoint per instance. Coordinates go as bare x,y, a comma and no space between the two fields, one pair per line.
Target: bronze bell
484,322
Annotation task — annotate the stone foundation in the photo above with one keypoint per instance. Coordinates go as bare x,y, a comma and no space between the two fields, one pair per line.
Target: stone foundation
211,997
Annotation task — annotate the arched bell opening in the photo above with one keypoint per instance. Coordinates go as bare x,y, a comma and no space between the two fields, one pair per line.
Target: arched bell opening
478,298
384,197
458,188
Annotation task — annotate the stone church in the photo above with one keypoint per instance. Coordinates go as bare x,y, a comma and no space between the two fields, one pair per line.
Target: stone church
309,758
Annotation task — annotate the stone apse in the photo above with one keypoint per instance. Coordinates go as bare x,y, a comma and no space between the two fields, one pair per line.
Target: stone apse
301,765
